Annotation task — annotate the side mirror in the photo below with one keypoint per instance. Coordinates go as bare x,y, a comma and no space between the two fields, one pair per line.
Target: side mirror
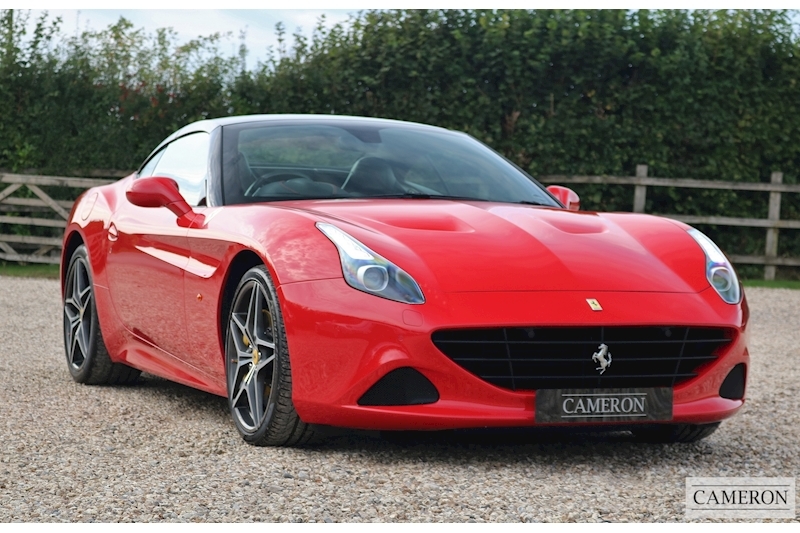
158,192
566,196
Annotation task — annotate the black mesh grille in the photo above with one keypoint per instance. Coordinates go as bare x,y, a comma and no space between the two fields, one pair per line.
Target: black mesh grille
560,358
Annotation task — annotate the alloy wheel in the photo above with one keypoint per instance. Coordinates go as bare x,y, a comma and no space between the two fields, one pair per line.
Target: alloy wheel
78,314
251,356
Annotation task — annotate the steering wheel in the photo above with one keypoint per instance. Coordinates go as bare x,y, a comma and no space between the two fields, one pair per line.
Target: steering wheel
278,175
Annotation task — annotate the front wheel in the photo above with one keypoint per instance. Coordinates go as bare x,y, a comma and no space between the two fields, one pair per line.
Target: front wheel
87,356
257,366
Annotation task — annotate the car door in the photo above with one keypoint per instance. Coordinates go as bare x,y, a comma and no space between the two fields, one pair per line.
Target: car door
204,281
149,252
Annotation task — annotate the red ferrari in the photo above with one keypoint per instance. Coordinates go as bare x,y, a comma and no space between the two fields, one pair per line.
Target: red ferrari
364,273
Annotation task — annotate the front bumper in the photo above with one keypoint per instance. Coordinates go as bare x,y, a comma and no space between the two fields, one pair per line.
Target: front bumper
342,341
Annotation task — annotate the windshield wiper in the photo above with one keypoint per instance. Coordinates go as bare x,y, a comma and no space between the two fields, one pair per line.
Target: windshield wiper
529,202
425,196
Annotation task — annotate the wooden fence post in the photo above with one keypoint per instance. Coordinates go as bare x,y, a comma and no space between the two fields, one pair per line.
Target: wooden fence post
774,214
640,191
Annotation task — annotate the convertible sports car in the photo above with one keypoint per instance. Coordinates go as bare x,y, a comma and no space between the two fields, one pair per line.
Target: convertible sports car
364,273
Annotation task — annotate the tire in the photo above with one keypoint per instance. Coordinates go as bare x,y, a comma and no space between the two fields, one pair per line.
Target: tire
671,433
257,366
87,356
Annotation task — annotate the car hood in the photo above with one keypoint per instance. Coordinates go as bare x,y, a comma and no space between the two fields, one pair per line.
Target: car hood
484,246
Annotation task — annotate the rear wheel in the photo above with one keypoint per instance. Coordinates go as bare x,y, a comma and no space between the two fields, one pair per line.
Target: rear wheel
87,357
675,432
257,366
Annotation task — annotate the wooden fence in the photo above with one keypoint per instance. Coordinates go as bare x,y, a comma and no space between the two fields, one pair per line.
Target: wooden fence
42,211
772,223
47,215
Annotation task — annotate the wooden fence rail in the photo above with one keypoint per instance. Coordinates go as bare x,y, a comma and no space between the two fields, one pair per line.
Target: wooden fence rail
40,211
772,223
44,211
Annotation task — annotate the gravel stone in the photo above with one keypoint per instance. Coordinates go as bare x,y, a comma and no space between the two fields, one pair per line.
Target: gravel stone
162,452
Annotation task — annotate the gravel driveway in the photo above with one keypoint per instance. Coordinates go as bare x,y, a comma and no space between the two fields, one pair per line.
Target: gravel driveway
163,452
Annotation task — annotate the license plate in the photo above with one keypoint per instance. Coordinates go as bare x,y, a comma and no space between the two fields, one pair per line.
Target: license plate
603,405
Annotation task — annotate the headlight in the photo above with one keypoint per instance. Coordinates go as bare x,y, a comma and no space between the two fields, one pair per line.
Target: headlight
367,271
719,271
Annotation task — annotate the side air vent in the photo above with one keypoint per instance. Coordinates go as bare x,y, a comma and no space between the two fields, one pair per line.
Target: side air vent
733,386
402,386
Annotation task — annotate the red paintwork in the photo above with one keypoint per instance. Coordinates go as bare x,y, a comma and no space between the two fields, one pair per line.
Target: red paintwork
566,196
159,283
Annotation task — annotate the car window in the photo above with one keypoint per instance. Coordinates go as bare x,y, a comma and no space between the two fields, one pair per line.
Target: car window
351,159
186,161
148,169
309,146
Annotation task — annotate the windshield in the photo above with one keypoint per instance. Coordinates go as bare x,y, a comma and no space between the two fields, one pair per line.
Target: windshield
268,161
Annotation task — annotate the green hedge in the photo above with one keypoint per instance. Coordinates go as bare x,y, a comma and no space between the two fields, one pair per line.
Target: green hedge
711,95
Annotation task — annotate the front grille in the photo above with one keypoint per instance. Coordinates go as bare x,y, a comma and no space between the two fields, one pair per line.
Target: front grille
561,357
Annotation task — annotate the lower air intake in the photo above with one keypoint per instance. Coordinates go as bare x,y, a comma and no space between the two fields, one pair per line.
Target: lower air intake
402,386
733,386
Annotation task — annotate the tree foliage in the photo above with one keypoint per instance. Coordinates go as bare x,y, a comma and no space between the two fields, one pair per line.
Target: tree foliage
698,94
101,99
